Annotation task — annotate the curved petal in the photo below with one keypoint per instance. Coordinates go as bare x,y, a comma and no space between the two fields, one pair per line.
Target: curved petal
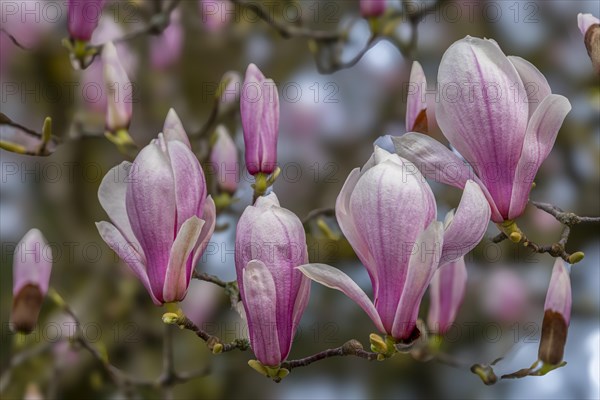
151,209
269,126
415,99
536,85
437,162
251,109
190,184
126,252
176,281
261,311
391,205
584,21
422,265
173,129
301,302
335,279
468,224
210,216
346,223
447,291
539,140
482,114
112,194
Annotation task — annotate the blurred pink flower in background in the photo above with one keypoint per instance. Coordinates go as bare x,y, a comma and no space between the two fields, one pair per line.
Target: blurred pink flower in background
504,296
216,14
166,48
201,301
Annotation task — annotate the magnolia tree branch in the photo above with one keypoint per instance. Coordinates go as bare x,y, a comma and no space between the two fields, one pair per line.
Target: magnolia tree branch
557,249
350,348
214,343
231,288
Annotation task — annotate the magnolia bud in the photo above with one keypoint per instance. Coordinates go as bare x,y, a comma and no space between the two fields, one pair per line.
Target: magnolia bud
224,159
32,265
557,315
590,29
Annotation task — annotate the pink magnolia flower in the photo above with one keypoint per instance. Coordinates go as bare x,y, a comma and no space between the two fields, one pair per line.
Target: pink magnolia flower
557,315
83,17
590,29
372,8
500,114
447,292
119,90
388,214
270,243
224,160
166,49
259,106
32,264
161,217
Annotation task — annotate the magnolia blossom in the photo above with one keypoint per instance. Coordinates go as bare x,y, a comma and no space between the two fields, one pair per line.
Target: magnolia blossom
388,214
590,29
166,48
504,125
447,291
119,90
372,8
229,90
161,217
224,160
83,18
270,243
32,264
259,106
557,315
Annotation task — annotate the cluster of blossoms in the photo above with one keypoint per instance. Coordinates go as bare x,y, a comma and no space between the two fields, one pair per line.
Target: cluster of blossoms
162,217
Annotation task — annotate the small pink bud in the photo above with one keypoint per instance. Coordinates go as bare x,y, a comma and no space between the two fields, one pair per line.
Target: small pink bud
259,106
224,159
557,315
83,17
372,8
119,90
32,265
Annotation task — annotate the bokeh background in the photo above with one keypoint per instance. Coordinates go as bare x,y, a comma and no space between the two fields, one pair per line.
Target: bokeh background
328,125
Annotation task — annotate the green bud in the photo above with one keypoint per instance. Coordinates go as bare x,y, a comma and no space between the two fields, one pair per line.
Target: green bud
378,345
170,318
576,257
258,367
217,348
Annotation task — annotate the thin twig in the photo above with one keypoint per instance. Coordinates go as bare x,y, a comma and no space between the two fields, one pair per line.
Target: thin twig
214,343
350,348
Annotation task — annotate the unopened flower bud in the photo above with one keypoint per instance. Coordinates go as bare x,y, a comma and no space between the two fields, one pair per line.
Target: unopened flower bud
557,315
32,265
590,29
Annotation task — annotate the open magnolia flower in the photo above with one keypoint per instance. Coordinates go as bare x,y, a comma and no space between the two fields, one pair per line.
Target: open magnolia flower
499,113
388,214
161,217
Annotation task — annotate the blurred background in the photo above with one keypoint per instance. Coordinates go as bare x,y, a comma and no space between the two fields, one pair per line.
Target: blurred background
328,125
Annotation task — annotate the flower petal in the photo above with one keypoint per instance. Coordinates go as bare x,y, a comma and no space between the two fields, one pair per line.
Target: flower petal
335,279
126,252
260,304
447,291
151,209
539,140
209,217
437,162
190,184
422,265
173,129
482,114
112,194
176,277
346,223
468,224
415,100
535,82
32,262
